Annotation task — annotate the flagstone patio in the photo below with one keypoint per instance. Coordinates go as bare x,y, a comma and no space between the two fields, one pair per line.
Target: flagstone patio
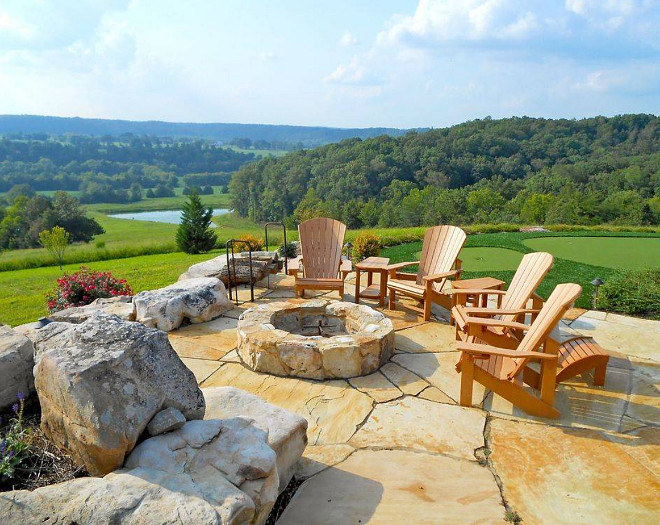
394,446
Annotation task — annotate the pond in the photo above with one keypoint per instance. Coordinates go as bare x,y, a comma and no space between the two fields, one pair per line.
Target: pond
169,216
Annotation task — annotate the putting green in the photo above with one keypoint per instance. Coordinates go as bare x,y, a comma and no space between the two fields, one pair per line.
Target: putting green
611,252
488,259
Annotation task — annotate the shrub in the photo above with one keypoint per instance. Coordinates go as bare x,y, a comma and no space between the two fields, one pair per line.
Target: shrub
16,443
99,245
632,292
365,245
290,250
255,243
83,287
55,241
195,234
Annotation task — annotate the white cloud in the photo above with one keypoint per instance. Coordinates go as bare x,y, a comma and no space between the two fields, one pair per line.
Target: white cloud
266,56
348,40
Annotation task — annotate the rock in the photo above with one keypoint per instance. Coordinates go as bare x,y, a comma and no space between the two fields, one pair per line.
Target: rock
217,267
217,471
166,421
16,362
101,382
397,486
121,306
29,330
198,300
287,432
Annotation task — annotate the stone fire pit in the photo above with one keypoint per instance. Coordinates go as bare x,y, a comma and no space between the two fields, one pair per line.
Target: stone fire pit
315,339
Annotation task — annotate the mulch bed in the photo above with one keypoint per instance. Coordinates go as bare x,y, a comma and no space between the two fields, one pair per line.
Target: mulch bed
47,464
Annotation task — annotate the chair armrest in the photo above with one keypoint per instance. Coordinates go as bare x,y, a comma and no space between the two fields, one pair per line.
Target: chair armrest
497,311
396,266
495,322
481,349
440,276
475,291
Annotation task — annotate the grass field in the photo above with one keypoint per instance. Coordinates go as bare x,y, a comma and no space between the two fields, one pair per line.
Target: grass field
611,252
491,253
259,152
217,200
22,292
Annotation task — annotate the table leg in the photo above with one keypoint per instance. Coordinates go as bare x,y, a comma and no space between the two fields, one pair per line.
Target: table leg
383,288
370,278
357,286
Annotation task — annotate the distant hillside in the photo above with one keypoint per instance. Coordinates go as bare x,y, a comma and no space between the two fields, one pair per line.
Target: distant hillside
307,135
527,170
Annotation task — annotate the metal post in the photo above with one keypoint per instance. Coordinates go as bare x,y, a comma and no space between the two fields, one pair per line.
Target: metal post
231,243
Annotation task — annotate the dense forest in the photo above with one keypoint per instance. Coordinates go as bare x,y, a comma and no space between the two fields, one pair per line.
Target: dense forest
308,136
113,169
524,170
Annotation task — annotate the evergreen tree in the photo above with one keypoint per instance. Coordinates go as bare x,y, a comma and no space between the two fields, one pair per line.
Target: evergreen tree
194,234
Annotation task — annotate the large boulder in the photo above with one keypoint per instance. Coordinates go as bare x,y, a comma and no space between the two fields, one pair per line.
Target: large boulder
217,471
198,300
122,306
217,267
16,363
287,432
101,382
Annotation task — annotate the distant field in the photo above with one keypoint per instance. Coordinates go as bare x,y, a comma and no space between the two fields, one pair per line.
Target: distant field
612,252
483,259
259,152
217,200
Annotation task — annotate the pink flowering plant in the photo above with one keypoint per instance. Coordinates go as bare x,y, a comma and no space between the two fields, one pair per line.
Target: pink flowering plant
83,287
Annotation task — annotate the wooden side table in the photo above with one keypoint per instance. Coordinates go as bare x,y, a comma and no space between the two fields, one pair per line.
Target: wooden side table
372,265
480,283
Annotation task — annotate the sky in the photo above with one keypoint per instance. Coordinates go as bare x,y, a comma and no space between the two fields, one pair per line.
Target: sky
343,63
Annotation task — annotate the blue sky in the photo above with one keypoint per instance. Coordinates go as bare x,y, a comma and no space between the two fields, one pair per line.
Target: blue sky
338,63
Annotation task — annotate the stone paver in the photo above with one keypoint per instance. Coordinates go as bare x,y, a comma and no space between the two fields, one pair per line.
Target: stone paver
202,368
377,386
405,380
627,335
393,447
440,371
319,457
419,424
333,409
557,475
428,337
396,486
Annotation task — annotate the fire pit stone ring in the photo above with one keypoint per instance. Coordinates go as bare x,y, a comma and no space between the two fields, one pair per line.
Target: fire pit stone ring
314,339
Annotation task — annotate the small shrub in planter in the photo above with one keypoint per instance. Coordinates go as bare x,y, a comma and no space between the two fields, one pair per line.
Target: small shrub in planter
290,250
365,245
254,242
634,292
83,287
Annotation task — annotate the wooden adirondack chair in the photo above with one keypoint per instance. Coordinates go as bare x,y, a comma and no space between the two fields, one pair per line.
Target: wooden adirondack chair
503,370
321,242
531,271
438,263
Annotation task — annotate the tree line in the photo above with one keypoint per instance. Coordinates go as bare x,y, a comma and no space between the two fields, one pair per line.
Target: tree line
110,169
521,170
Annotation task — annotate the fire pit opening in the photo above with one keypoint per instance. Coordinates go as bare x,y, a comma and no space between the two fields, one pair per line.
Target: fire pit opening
315,339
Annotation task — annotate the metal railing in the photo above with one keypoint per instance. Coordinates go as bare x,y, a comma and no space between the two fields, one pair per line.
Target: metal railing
232,264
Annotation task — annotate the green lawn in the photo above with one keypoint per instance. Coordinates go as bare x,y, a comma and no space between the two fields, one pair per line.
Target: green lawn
490,259
22,292
611,252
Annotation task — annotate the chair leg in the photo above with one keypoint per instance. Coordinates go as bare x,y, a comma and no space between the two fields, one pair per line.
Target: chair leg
467,378
341,293
548,381
392,305
427,308
599,375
